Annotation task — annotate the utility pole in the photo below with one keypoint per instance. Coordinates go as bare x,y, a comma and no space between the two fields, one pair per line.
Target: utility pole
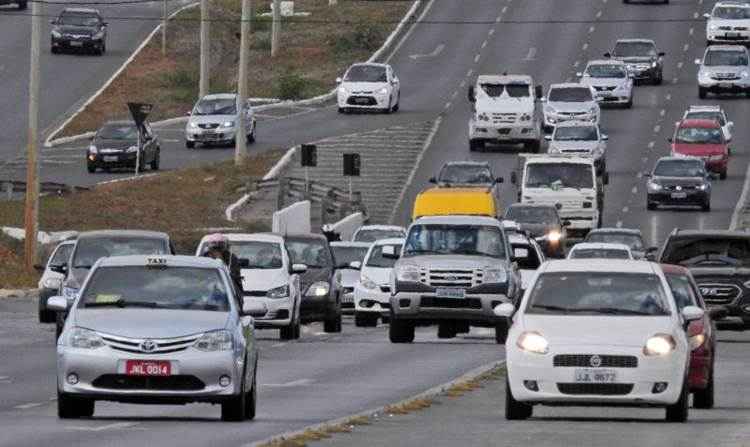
275,28
31,215
205,49
332,2
164,29
240,151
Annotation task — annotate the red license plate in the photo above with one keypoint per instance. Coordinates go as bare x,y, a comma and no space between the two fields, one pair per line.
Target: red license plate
147,368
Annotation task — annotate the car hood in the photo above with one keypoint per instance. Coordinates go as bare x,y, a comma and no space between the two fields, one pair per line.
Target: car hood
579,145
212,119
263,279
378,275
71,29
103,144
538,230
729,22
728,69
363,87
699,149
505,104
463,262
313,275
561,106
571,330
349,277
150,323
679,181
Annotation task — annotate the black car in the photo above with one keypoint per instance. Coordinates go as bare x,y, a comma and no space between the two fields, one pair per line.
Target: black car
679,181
79,29
629,236
543,223
115,145
644,61
22,4
720,263
321,296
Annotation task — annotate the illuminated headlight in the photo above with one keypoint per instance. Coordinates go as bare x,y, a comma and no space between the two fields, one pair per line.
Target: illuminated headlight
367,283
659,345
93,149
99,35
703,187
132,149
51,283
696,341
713,27
192,125
653,186
84,339
227,124
318,289
407,273
494,275
214,341
56,34
278,292
653,64
70,292
533,342
554,236
383,91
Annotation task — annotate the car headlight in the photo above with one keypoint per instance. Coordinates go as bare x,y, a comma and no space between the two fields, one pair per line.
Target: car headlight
554,236
653,186
494,275
696,341
717,157
93,149
132,149
84,339
70,292
367,283
744,74
192,125
592,111
483,117
227,124
407,273
533,342
550,109
318,289
654,64
713,27
659,345
51,283
343,90
278,292
99,35
383,91
703,186
220,340
704,76
56,34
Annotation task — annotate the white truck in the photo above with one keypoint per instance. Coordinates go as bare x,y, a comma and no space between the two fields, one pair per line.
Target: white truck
569,182
505,111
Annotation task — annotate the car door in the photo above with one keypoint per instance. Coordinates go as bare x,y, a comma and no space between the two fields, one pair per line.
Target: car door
249,118
395,85
59,256
149,144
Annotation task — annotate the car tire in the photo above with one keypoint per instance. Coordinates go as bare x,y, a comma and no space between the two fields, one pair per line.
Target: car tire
155,162
251,137
69,407
54,49
629,104
251,401
233,410
476,145
59,324
706,206
515,410
723,175
364,320
45,315
446,331
702,93
501,332
332,325
659,79
401,331
651,206
704,399
398,103
287,333
189,144
533,146
678,412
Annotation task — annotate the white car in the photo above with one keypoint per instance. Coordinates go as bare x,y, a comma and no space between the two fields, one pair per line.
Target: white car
526,253
607,334
580,138
713,112
728,22
348,257
270,278
610,80
600,250
570,102
373,290
213,121
372,233
49,283
724,69
369,86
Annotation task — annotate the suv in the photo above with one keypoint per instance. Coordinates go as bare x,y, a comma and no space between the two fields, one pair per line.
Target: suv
644,61
728,22
611,81
213,120
79,28
570,102
678,181
720,262
505,111
703,139
724,69
452,271
580,138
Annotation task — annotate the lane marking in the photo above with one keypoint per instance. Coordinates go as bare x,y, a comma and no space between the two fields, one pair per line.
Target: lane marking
598,14
651,144
408,32
531,55
469,73
436,52
591,29
635,189
625,209
300,382
448,105
585,46
619,224
740,203
453,95
116,425
484,44
491,31
691,31
463,83
668,97
662,112
476,57
29,405
657,128
576,63
686,47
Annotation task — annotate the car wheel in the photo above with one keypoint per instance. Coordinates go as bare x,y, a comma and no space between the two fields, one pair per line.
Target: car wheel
45,315
332,325
446,330
629,104
659,79
400,331
251,137
702,93
476,145
515,410
69,407
678,412
233,410
189,144
287,333
398,103
59,324
54,49
533,146
501,333
723,175
651,206
706,206
704,399
364,320
155,162
251,401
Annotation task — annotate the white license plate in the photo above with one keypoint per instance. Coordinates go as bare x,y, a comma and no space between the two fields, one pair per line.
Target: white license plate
679,195
595,375
726,85
730,35
450,293
76,44
110,159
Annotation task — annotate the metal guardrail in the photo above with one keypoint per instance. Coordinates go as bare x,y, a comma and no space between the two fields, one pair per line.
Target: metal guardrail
10,187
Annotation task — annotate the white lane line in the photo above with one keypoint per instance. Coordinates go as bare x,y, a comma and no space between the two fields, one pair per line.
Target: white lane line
504,10
278,345
686,47
741,203
408,32
448,105
434,53
469,73
635,189
651,144
300,382
657,128
576,64
692,30
531,54
674,80
591,29
491,31
668,97
5,379
29,405
619,224
484,44
585,46
695,15
476,57
170,140
662,112
116,425
639,175
679,65
598,14
453,95
625,209
463,83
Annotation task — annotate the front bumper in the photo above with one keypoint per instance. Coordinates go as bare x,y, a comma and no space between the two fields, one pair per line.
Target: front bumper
363,101
278,312
642,72
725,86
728,36
524,366
690,197
209,136
553,119
617,97
76,43
506,133
427,307
119,159
371,301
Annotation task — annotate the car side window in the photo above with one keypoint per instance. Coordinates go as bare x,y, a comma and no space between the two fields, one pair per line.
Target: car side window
682,291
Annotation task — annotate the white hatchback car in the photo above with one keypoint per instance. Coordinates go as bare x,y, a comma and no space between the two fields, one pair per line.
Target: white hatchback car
570,102
598,334
600,250
369,86
373,291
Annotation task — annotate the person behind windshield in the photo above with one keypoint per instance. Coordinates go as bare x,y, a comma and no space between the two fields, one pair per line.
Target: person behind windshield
216,246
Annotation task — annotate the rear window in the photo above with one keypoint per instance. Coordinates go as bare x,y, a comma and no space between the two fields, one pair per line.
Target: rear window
599,253
90,250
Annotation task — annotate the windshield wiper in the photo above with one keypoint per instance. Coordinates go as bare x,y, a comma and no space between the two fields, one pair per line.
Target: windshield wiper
615,311
123,303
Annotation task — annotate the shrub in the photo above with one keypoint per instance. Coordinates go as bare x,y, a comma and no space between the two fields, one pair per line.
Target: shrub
364,36
290,86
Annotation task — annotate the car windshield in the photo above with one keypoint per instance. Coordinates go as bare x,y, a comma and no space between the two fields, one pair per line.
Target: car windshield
598,253
90,250
532,215
600,293
77,19
731,13
681,290
495,90
716,116
576,133
366,73
161,288
631,240
680,168
606,71
375,235
570,94
377,259
346,255
214,106
260,255
466,174
635,49
118,132
62,254
436,239
313,253
725,58
559,175
719,252
699,135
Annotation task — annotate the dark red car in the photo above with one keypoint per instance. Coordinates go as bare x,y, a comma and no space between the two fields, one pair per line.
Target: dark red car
702,138
701,333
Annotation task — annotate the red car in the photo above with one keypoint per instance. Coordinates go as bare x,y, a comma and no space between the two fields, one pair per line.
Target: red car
701,333
702,138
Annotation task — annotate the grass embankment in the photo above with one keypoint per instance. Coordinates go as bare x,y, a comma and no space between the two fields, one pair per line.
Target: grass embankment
182,203
314,50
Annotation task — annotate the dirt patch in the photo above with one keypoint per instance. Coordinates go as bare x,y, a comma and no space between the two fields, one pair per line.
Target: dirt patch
13,275
314,51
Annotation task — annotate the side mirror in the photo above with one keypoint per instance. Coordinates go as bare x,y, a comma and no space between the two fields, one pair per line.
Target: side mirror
647,174
356,265
298,269
499,180
706,15
692,313
662,54
697,62
189,112
651,253
338,80
433,180
105,23
244,263
253,307
579,74
504,310
718,313
59,268
730,123
607,54
513,177
566,223
389,252
605,137
57,303
548,138
605,178
472,94
538,92
53,22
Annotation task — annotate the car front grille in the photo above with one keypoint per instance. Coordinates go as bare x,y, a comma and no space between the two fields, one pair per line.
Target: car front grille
504,118
595,389
361,101
452,278
681,187
718,293
255,293
725,76
208,125
451,303
605,361
571,113
156,383
156,345
604,88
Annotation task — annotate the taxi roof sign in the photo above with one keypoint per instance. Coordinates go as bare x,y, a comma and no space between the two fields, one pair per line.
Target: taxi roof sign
156,262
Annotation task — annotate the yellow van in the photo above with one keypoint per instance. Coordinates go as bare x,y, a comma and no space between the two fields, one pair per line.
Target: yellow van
463,201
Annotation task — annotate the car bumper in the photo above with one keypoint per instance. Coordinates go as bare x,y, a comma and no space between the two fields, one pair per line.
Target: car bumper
700,370
524,366
313,308
478,309
510,133
75,43
641,73
113,160
219,136
363,102
278,312
728,86
728,37
619,98
371,301
669,198
551,120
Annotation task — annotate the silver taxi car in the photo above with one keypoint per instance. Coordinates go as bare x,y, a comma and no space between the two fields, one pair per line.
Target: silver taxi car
166,329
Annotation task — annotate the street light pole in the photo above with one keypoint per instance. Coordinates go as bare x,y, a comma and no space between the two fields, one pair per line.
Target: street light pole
240,153
275,27
205,49
164,29
31,214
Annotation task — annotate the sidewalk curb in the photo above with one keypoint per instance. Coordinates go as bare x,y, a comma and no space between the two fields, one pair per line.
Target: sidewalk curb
428,394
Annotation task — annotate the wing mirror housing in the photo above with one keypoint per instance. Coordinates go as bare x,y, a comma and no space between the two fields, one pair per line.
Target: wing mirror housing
433,180
499,180
253,308
706,15
692,313
605,137
697,62
504,310
57,303
298,269
548,138
608,55
513,178
338,80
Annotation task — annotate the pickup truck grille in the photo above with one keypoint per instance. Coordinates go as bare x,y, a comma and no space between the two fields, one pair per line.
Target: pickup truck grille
504,118
718,293
452,278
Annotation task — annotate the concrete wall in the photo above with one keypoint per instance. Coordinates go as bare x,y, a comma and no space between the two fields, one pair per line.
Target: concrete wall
293,219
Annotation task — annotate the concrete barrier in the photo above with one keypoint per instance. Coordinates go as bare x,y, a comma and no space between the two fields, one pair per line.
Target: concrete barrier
346,227
293,219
